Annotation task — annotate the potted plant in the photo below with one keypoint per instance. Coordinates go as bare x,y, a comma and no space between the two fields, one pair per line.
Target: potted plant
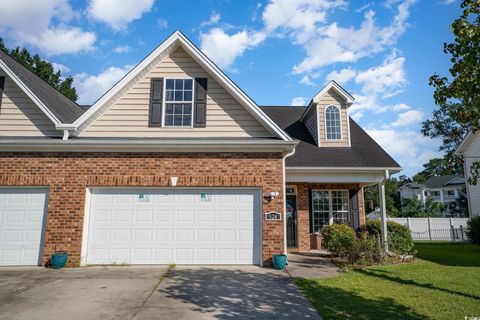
279,261
59,259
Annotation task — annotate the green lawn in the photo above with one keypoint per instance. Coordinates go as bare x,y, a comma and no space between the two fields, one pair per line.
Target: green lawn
443,283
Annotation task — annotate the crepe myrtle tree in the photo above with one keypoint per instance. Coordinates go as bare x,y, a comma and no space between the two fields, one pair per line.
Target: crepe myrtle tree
457,95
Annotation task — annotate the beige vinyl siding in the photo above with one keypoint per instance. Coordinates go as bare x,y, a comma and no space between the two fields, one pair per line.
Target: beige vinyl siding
311,123
332,98
472,154
128,117
20,116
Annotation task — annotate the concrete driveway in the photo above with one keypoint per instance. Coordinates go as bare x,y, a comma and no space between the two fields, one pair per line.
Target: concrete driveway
151,293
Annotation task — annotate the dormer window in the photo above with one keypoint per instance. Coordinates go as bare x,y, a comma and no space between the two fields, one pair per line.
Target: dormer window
332,123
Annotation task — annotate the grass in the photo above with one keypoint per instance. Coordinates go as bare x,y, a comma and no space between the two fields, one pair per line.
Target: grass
443,283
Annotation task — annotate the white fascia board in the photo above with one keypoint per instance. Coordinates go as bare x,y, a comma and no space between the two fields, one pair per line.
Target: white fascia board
359,177
461,148
77,145
29,93
205,62
125,80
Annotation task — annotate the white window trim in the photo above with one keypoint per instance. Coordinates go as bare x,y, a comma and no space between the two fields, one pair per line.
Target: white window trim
325,121
294,187
330,205
164,103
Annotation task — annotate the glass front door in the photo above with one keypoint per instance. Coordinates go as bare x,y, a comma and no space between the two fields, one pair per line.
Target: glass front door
291,205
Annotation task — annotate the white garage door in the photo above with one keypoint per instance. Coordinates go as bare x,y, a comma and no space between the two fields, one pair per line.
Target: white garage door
181,226
22,217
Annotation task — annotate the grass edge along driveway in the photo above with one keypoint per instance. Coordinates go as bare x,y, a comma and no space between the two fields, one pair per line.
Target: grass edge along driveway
443,283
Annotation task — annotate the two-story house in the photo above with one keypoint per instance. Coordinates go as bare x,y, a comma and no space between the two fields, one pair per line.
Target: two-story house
444,189
175,164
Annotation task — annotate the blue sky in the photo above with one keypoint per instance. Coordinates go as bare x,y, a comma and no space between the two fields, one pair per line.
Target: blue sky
280,52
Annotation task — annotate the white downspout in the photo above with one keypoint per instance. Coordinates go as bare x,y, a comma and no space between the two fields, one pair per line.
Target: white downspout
383,209
285,202
66,134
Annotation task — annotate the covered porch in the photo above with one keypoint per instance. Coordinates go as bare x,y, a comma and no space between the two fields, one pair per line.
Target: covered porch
315,198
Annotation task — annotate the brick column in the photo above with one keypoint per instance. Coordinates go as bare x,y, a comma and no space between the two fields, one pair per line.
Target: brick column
303,217
361,208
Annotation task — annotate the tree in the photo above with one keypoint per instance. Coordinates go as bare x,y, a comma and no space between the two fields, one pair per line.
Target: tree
413,208
437,167
392,197
44,70
457,96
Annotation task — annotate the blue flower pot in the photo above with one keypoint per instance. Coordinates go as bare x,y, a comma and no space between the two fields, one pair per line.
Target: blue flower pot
59,259
279,261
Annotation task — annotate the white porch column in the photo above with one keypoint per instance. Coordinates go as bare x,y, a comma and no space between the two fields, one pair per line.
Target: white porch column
383,211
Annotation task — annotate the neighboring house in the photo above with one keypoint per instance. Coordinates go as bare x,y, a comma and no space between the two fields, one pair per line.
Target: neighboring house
175,164
470,150
444,189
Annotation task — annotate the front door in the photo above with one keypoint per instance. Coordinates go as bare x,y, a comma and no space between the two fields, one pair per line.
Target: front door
291,205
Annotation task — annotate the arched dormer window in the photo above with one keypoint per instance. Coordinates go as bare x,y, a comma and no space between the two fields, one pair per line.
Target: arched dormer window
332,123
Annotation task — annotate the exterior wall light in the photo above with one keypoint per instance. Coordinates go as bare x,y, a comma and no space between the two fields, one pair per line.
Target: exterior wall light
272,195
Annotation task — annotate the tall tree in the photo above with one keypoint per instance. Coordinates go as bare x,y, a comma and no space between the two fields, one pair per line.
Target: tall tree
44,70
437,167
457,96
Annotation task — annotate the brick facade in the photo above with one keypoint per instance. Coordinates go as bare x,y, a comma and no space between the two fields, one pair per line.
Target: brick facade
67,175
305,239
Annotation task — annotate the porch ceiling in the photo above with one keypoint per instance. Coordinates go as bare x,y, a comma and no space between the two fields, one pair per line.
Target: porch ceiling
363,176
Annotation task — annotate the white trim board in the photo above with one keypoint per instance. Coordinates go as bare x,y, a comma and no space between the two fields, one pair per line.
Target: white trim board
175,40
29,93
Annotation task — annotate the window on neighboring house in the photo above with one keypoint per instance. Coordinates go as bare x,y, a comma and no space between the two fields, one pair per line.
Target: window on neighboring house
450,192
178,102
332,123
329,207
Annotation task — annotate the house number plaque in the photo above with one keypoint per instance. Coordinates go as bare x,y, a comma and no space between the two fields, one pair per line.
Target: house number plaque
273,216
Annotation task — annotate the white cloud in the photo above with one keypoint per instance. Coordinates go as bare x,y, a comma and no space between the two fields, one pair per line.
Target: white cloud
223,49
408,118
60,67
117,14
298,101
122,49
387,79
343,76
45,25
91,87
162,23
448,1
214,19
410,148
332,43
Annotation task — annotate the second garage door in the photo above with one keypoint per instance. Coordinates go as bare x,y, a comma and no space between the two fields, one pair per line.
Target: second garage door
181,226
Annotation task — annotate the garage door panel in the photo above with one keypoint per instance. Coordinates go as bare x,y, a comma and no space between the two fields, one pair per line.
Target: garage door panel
22,216
176,226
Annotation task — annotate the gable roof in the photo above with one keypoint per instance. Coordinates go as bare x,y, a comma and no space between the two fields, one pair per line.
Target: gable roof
330,85
363,153
413,185
443,181
58,108
161,52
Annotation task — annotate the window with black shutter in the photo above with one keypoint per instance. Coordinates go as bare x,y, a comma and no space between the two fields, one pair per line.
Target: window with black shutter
156,102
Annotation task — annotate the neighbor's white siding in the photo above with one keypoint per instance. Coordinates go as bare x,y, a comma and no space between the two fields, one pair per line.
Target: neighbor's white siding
472,154
128,117
20,116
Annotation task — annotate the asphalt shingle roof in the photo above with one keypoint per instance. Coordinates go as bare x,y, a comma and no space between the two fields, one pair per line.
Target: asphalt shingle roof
63,108
442,181
364,151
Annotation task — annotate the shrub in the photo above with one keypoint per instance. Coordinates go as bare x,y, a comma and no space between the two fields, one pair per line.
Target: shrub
338,238
400,239
473,230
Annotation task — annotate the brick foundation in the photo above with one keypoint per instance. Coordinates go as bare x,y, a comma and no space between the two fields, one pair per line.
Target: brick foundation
67,175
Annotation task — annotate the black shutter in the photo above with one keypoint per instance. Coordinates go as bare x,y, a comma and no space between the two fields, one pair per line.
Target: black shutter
2,86
156,101
200,108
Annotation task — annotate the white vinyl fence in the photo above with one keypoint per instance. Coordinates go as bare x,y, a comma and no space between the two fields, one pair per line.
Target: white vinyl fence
432,229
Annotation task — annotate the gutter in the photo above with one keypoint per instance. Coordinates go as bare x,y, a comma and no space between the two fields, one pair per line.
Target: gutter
285,249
